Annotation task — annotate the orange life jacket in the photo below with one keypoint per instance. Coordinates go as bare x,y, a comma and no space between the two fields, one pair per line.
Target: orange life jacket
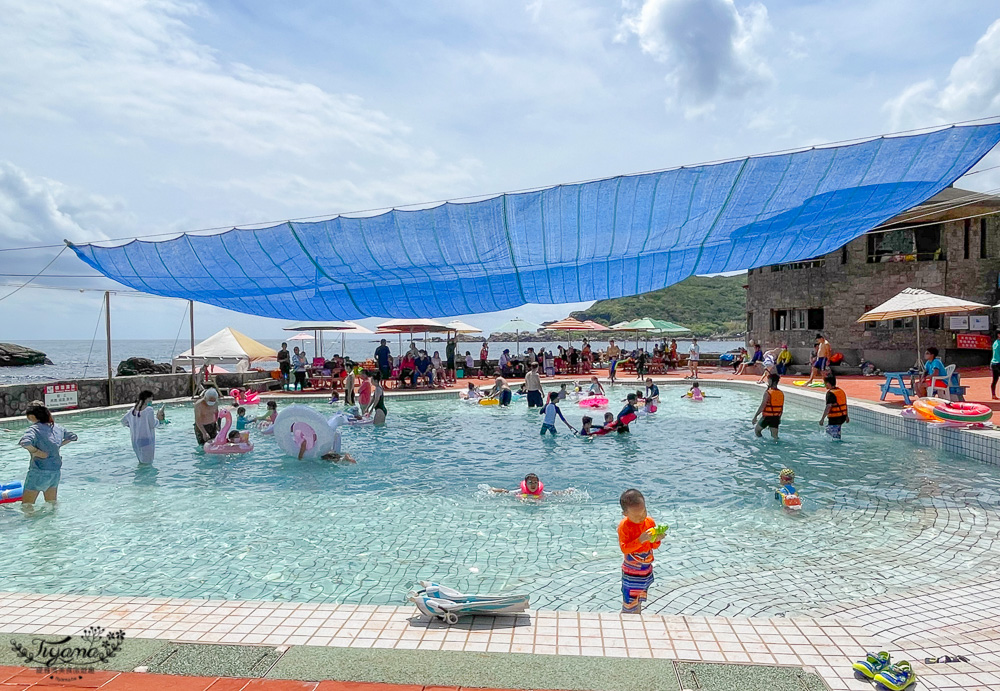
775,404
838,409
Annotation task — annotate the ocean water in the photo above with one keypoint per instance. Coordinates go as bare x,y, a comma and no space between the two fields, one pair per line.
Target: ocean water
879,515
78,359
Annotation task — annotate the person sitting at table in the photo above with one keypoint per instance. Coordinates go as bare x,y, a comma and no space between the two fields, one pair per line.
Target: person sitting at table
933,367
424,369
406,367
504,363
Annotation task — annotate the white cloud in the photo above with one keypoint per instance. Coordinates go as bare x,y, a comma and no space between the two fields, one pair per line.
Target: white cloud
709,46
36,210
971,90
133,65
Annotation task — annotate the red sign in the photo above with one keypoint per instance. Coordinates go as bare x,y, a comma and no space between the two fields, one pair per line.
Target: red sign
973,341
60,396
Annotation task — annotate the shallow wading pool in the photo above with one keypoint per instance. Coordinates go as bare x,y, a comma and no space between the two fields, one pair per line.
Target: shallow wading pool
879,515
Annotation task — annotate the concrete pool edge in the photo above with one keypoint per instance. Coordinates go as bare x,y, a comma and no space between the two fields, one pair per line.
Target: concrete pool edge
911,629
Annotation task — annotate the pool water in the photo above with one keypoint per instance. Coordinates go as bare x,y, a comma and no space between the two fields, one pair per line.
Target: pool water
879,515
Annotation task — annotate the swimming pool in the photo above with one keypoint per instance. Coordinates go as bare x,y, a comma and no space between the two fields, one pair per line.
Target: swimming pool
879,515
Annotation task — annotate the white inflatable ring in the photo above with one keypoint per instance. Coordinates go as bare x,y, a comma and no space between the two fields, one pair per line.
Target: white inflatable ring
300,423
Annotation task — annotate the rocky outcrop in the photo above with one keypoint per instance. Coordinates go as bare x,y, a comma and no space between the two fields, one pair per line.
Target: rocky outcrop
141,365
12,355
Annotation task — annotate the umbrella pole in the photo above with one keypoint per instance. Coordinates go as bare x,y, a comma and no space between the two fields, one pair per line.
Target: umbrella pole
517,337
343,342
918,339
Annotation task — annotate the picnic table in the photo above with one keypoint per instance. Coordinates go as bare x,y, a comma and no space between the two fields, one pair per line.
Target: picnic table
894,383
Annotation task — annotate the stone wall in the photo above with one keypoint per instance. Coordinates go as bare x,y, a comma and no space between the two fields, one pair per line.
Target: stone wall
846,285
93,393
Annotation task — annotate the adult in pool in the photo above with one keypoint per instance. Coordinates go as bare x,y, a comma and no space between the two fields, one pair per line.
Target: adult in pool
142,422
377,405
500,391
43,440
206,416
770,410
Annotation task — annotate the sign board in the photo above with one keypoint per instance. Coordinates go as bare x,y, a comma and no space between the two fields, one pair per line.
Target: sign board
972,341
60,396
981,323
958,323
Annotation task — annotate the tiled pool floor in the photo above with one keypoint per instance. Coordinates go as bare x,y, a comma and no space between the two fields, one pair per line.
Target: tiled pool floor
962,620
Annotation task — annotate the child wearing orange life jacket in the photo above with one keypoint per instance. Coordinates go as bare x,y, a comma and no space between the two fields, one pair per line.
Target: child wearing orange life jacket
637,538
770,410
531,488
835,414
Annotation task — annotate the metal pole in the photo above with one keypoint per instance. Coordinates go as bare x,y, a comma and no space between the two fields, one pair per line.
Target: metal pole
107,318
194,376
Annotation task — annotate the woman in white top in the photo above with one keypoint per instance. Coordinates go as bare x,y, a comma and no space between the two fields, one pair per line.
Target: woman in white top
142,422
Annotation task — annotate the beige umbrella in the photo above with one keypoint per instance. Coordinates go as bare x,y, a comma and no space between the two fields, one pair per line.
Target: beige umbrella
914,302
461,327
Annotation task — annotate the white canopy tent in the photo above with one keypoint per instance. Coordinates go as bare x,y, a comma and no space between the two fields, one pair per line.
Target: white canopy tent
226,346
915,302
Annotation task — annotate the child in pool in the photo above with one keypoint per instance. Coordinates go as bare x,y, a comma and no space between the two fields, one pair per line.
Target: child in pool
586,427
550,411
637,540
786,478
241,418
234,437
695,393
334,397
786,493
531,488
472,393
338,457
595,387
270,416
562,392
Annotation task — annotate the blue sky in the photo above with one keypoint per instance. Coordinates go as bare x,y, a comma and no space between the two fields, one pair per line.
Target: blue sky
122,117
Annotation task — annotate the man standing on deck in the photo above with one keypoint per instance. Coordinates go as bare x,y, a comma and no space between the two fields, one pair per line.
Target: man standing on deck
823,352
533,386
285,365
449,352
384,359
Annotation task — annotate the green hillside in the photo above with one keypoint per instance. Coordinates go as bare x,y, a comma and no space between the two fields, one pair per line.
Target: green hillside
709,306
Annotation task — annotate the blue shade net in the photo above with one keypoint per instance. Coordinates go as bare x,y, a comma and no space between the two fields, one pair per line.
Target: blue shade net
571,243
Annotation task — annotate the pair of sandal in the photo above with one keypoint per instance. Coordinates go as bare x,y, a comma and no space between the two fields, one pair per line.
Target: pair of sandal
879,668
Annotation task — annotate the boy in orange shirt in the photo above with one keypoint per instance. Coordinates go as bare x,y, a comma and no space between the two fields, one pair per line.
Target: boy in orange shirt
637,537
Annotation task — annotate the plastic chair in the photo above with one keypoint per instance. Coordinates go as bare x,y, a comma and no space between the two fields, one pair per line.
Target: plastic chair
942,383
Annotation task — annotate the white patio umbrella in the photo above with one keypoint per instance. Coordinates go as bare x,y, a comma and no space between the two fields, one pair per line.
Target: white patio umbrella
517,326
411,326
915,302
344,327
461,327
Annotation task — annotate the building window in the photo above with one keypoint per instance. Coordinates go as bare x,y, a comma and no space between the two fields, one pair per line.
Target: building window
869,326
779,320
843,254
983,254
809,264
815,319
906,245
798,320
968,230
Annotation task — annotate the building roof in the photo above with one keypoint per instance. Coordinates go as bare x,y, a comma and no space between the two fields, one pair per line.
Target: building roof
951,203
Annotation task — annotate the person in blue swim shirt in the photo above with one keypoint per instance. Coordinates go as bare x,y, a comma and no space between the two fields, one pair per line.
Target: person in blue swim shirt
627,415
550,411
933,367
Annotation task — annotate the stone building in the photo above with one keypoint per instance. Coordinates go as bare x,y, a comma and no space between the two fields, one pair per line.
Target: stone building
934,246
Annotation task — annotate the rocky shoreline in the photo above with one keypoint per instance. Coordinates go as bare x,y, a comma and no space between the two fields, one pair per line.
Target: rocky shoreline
13,355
